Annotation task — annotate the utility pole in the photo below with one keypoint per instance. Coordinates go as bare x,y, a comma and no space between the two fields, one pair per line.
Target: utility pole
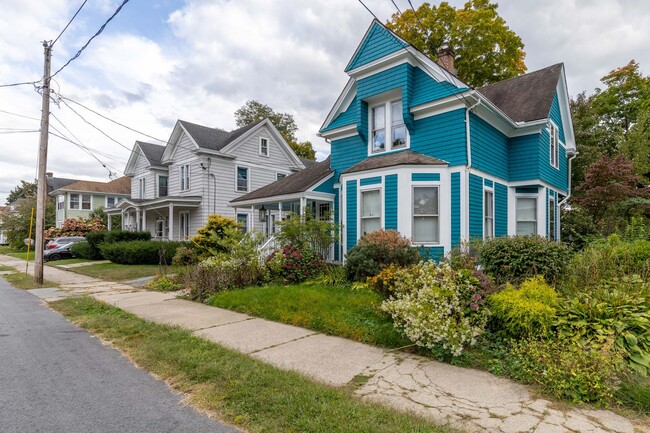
41,191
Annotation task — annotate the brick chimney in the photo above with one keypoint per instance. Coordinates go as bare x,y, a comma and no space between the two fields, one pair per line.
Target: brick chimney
446,58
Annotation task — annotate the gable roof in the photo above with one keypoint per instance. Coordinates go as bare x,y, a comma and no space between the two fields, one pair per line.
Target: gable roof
294,183
214,138
386,42
404,157
153,152
120,186
54,183
526,97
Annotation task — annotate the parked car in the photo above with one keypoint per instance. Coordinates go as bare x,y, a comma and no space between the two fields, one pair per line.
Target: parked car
57,242
61,251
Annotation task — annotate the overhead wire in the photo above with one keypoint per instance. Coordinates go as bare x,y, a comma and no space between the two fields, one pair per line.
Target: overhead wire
19,115
69,22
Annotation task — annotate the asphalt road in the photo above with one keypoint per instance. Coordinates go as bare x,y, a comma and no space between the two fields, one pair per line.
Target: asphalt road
56,377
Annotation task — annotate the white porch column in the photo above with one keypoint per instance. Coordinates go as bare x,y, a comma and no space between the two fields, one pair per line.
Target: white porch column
303,207
171,222
144,220
108,225
137,220
280,211
252,223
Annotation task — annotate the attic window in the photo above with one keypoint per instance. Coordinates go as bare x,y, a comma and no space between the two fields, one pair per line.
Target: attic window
554,145
387,127
264,146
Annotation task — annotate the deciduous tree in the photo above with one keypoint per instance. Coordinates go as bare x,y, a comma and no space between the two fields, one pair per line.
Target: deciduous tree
24,190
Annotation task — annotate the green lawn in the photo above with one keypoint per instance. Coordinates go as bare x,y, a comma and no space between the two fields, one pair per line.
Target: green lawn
334,310
22,255
68,262
242,391
26,282
117,272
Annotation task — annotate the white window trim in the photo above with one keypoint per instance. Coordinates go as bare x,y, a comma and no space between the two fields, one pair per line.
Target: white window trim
439,215
490,190
268,151
537,212
554,133
158,176
184,175
388,128
81,202
106,200
70,202
60,202
248,178
382,210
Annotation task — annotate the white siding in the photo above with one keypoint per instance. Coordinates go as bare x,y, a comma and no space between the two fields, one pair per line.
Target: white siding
142,172
184,155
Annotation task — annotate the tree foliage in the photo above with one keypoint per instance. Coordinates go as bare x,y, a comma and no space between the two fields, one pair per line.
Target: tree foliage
17,222
24,190
487,50
254,111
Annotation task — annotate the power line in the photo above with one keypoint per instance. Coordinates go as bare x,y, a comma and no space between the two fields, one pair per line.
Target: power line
111,120
62,137
69,22
396,7
417,17
19,132
20,84
19,115
101,29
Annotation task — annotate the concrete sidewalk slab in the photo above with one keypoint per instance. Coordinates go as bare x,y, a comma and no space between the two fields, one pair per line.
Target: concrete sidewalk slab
131,299
81,265
49,294
186,314
253,335
332,360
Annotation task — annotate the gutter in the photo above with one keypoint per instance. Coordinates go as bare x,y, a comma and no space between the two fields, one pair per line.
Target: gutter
568,180
467,132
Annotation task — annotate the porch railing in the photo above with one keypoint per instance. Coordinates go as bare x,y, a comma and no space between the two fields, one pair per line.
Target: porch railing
272,244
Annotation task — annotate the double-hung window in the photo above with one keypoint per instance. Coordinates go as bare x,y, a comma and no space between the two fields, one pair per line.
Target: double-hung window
184,226
264,146
85,201
554,145
74,201
185,177
162,186
526,216
110,201
488,214
426,227
387,126
60,202
242,179
242,219
142,187
370,211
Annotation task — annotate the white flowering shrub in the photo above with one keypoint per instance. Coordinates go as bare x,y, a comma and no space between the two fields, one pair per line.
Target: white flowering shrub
437,305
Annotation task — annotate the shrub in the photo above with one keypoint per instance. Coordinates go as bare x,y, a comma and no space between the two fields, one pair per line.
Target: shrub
164,284
634,392
140,252
377,250
75,227
385,281
437,305
567,370
605,260
210,237
333,275
295,265
514,259
125,236
617,311
91,251
306,231
526,311
83,250
185,256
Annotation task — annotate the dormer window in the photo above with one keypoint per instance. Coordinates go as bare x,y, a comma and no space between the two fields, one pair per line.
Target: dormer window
554,145
387,127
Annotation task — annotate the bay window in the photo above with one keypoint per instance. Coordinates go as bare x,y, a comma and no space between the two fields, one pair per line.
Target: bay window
526,216
426,226
370,211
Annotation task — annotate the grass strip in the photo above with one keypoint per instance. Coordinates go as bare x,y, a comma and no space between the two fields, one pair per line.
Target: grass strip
333,310
68,262
118,272
235,388
26,282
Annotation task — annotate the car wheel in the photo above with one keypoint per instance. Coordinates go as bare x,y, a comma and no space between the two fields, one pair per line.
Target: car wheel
54,257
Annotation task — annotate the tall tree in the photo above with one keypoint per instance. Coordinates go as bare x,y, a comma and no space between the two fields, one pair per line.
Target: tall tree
487,50
24,190
17,222
254,111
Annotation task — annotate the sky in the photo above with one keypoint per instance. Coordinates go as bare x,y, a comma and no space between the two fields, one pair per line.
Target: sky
200,60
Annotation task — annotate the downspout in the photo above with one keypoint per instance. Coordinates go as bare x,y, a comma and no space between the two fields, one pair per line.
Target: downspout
564,200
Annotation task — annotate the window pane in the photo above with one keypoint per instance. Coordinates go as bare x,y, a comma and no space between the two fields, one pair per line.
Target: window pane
378,114
396,113
370,225
425,201
378,140
526,228
242,179
399,136
242,219
526,209
371,203
425,229
488,204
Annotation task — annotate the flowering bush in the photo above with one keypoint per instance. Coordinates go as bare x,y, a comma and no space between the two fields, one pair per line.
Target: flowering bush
75,227
384,282
294,265
437,305
377,250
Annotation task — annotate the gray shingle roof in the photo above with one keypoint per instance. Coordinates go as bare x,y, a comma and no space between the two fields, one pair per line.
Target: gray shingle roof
153,152
54,183
307,162
214,138
292,184
526,97
405,157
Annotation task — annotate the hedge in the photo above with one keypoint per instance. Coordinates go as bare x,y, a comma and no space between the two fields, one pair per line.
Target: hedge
90,249
140,252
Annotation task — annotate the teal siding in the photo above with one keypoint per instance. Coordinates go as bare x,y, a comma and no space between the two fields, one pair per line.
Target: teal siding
556,116
432,253
393,78
378,43
489,148
554,176
371,180
442,136
347,152
427,89
348,117
425,177
523,165
327,186
475,207
390,202
351,213
527,190
455,210
488,182
500,210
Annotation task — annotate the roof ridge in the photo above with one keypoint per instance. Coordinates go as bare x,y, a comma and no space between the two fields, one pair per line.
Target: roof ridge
522,75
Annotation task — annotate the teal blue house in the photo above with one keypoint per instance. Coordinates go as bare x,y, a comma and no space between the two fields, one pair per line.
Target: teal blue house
416,150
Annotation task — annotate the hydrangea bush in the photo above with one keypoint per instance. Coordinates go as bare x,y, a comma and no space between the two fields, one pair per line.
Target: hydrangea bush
436,305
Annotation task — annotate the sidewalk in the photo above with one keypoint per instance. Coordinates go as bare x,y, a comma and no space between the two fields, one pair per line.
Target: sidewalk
468,399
